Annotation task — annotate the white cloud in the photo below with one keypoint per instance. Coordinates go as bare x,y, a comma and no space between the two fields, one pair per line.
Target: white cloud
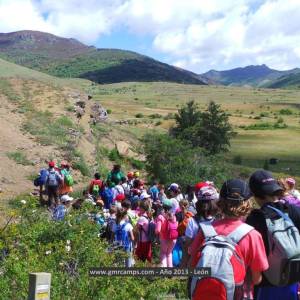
195,34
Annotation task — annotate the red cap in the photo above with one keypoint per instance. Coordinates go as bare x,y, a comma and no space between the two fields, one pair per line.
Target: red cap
51,164
200,185
130,174
120,197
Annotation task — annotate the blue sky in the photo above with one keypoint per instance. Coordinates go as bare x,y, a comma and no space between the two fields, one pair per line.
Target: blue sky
194,34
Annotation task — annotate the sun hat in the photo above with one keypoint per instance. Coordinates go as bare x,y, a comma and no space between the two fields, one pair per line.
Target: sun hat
66,198
207,193
235,189
144,196
263,183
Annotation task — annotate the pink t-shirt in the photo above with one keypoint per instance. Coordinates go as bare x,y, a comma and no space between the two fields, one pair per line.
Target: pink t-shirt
143,223
251,246
162,226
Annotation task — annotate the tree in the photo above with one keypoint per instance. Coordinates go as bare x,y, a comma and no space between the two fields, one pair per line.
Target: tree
210,129
174,160
214,131
187,117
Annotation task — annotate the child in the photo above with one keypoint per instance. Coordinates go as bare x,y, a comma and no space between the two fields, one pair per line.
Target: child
95,186
144,246
206,208
247,252
176,196
123,236
267,193
166,228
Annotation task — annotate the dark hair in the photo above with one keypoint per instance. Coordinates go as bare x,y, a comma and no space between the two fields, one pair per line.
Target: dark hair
121,213
144,205
97,176
206,208
126,204
116,167
113,210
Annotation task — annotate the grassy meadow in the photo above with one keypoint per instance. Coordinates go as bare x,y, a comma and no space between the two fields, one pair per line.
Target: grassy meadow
151,105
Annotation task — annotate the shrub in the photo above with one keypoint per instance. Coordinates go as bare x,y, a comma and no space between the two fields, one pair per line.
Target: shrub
35,243
139,115
158,123
172,160
237,160
109,111
155,116
114,155
285,111
137,164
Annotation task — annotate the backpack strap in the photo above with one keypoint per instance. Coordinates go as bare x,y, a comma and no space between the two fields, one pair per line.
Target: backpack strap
281,214
207,229
240,232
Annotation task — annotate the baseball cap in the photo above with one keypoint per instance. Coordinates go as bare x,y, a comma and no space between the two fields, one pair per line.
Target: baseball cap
235,189
167,203
120,197
130,174
263,183
207,193
136,173
174,187
66,198
51,164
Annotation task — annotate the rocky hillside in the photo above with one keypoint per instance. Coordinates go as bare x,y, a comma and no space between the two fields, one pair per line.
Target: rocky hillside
43,118
65,57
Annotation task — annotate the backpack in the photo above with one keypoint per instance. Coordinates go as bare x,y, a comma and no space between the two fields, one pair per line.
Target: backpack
151,236
122,237
96,189
284,253
107,195
172,232
69,181
42,178
222,256
59,213
183,224
52,179
108,233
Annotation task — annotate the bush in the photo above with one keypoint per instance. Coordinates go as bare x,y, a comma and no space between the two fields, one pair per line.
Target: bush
114,155
158,123
172,160
237,160
285,111
155,116
35,243
139,115
137,164
109,111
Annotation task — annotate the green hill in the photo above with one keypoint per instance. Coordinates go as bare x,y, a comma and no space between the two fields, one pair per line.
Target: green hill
289,81
64,57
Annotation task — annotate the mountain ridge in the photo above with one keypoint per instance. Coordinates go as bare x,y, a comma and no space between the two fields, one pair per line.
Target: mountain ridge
65,57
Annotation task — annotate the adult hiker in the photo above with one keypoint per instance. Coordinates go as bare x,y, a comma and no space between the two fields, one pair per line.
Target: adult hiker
228,247
115,175
176,196
53,182
279,225
67,184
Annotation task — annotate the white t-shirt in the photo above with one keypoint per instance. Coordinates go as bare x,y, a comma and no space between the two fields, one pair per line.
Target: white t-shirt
175,203
192,227
128,228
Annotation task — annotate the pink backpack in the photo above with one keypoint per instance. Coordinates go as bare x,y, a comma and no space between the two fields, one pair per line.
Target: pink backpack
172,233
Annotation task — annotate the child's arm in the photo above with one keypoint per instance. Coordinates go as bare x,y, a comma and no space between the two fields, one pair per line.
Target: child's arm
256,277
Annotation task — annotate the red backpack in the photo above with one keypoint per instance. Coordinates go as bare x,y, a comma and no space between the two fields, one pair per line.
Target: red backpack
222,255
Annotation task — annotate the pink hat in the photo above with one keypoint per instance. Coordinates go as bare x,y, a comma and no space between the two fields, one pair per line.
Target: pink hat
290,181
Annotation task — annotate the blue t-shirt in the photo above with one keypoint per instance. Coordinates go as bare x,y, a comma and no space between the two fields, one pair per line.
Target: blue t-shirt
154,192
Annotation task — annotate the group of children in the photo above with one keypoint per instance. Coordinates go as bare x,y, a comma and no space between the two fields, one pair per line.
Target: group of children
253,253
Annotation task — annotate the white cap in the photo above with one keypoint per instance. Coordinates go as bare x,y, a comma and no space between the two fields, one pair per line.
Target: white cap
66,198
144,195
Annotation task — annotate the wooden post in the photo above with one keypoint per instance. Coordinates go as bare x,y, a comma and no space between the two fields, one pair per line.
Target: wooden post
39,286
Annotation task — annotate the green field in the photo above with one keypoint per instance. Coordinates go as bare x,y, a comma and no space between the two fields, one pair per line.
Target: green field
246,106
